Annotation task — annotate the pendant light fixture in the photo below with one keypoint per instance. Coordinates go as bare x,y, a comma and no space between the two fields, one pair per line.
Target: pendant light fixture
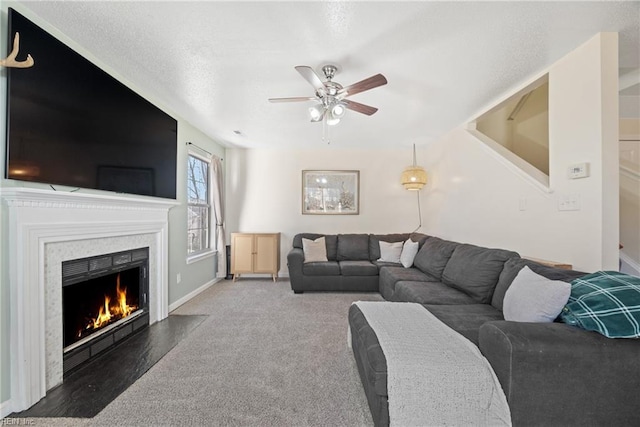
414,177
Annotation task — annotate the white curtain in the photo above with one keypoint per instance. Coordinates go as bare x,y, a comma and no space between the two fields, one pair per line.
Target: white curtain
218,215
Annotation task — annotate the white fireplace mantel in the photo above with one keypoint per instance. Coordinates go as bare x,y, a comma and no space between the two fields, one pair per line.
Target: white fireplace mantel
46,227
32,197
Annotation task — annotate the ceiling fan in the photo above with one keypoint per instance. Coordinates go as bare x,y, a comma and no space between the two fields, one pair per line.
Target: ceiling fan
330,96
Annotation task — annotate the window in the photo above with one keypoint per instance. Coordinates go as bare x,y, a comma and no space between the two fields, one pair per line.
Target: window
198,205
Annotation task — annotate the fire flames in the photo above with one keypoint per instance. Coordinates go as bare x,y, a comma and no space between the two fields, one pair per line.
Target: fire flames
111,311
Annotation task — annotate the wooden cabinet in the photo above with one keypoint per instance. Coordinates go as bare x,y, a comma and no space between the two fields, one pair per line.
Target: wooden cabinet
255,253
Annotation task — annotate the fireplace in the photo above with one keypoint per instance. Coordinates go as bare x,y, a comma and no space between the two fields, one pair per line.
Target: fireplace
48,228
104,299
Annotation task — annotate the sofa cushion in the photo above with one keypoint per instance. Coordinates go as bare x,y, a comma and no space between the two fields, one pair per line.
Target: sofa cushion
390,252
398,273
475,270
381,264
331,240
607,302
353,247
358,268
432,258
465,319
375,239
314,250
534,298
513,266
429,293
390,275
330,268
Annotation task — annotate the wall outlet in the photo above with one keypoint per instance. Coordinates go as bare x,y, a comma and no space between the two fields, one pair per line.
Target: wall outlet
178,278
569,202
579,170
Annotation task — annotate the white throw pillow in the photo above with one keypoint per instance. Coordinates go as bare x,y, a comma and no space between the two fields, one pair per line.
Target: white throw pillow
534,298
314,250
409,251
390,252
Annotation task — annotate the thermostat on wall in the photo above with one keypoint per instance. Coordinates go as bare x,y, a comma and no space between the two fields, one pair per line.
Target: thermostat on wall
579,170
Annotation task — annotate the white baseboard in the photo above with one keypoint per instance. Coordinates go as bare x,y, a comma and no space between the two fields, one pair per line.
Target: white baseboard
5,409
284,275
193,294
628,265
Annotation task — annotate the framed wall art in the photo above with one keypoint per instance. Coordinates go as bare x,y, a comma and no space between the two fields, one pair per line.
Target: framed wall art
330,192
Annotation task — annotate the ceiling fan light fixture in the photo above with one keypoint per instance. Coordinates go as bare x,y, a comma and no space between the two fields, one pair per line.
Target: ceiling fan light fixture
330,103
338,110
332,121
316,112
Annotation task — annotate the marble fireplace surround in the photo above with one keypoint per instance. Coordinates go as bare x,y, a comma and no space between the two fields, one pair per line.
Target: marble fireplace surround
48,227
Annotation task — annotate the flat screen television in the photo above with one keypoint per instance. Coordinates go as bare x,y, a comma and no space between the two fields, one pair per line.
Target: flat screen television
70,123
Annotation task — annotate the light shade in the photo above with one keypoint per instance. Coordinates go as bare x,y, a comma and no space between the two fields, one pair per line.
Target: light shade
316,112
337,110
413,177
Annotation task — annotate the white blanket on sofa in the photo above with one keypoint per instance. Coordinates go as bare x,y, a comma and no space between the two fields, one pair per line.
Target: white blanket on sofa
435,376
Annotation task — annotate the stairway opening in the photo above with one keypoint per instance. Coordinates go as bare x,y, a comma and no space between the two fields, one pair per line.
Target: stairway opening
520,125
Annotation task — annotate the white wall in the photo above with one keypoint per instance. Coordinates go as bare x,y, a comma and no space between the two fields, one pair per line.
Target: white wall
630,192
264,192
477,195
630,214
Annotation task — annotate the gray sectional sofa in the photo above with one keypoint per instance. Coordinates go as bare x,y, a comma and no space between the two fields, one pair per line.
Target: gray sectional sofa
551,373
352,262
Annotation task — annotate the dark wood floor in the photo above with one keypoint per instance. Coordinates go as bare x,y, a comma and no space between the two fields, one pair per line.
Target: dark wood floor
92,387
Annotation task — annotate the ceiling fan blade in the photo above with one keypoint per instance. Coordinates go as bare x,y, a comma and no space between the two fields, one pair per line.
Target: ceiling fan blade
310,76
361,86
295,99
360,108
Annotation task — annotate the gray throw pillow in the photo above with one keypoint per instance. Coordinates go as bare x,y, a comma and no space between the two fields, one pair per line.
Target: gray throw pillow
534,298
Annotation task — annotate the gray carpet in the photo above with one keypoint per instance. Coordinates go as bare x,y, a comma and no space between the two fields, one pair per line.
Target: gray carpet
264,357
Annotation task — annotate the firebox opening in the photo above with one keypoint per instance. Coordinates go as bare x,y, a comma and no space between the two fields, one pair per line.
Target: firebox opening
104,300
94,304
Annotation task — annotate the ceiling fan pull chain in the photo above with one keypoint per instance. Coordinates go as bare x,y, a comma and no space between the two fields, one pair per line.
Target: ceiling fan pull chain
325,131
328,128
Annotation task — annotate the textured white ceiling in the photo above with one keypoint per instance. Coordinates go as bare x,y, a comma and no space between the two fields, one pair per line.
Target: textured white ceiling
217,63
